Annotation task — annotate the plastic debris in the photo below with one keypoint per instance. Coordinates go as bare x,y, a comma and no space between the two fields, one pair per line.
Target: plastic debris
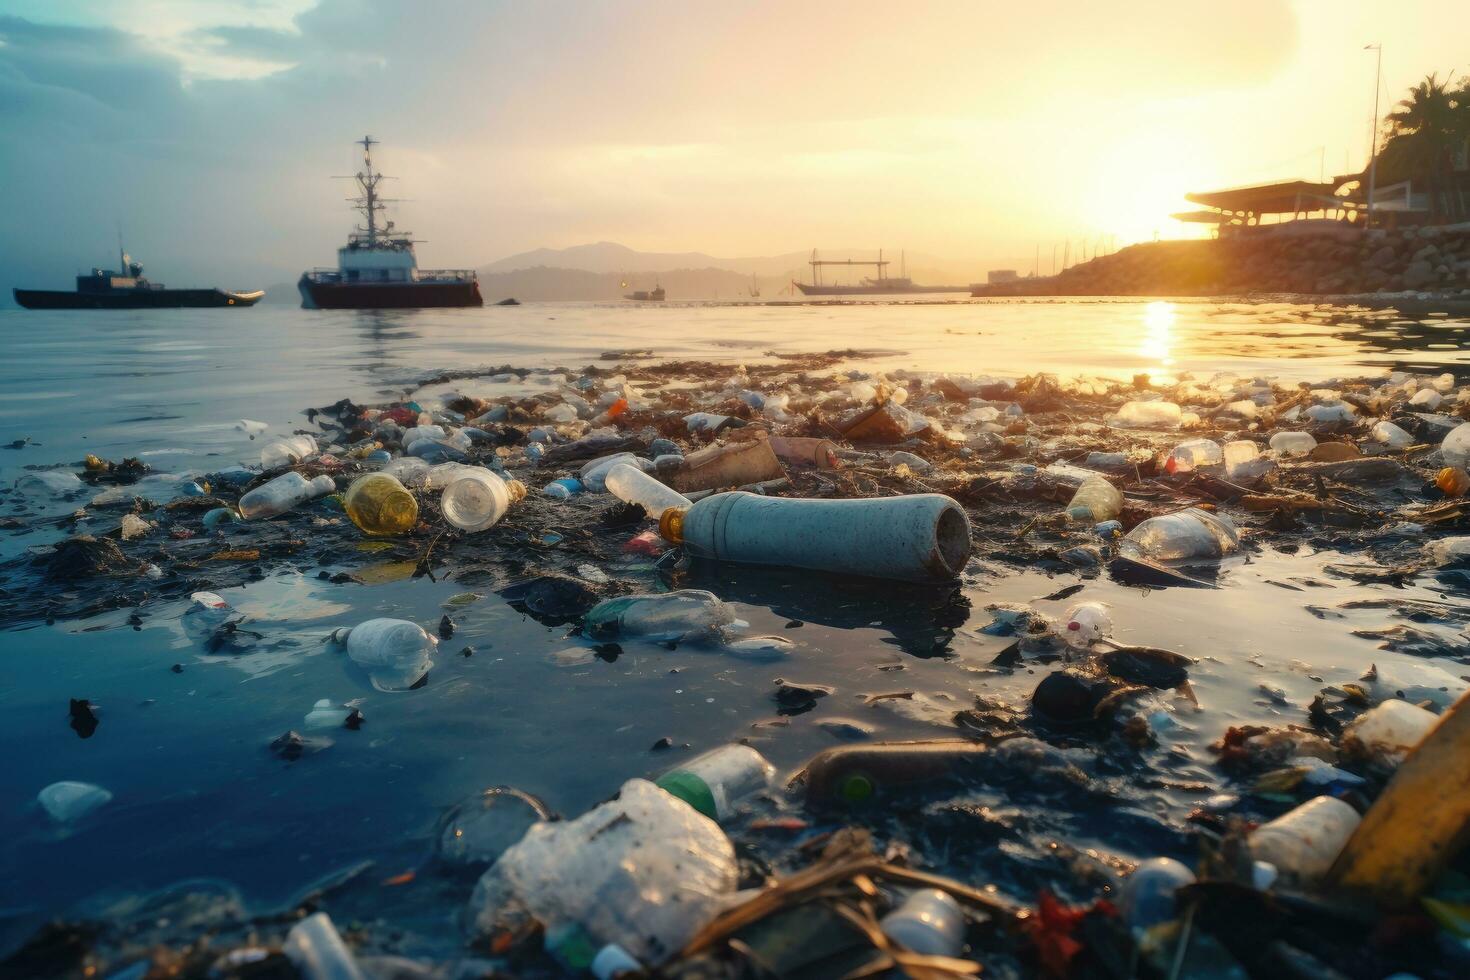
314,947
285,492
715,782
396,654
1184,536
68,802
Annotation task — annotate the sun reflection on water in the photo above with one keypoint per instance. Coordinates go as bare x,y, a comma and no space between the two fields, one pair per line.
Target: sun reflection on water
1158,327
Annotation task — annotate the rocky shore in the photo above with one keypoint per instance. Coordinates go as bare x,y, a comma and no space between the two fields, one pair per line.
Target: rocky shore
1338,262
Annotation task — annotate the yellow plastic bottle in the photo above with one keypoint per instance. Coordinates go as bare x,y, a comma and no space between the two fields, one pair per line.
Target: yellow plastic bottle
380,505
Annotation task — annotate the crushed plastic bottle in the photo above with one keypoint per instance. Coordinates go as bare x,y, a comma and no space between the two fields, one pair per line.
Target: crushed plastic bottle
379,505
49,483
1148,415
1181,536
1456,447
1386,733
478,499
929,922
716,781
689,614
645,871
1304,843
285,492
68,801
633,486
1095,501
395,653
287,452
1193,454
1293,443
316,950
1085,623
1391,435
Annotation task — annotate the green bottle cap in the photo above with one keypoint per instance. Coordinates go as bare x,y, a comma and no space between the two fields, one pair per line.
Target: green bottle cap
857,788
690,788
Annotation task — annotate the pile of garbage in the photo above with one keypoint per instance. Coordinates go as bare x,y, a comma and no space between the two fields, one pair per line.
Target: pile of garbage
1338,855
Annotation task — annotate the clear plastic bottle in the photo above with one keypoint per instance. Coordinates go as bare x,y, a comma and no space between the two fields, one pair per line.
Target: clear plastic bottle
378,504
1391,435
1192,454
929,922
1456,447
285,492
1096,500
1086,622
1293,443
478,499
287,452
395,653
658,616
407,470
1190,533
632,485
716,781
1147,897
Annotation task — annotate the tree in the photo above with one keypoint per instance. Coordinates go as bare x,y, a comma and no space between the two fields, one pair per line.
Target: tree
1428,133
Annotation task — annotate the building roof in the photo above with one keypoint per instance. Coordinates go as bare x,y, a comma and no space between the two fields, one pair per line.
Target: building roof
1201,217
1282,197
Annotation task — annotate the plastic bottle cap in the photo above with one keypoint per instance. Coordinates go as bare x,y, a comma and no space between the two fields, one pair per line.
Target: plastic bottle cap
691,789
671,525
857,789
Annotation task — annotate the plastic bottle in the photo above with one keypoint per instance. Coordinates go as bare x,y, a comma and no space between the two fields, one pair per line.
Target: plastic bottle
1303,843
1187,534
316,950
922,537
562,489
862,775
1147,897
1293,443
1456,447
1426,399
67,800
378,504
716,781
1452,481
395,653
614,961
433,433
1388,732
685,614
731,464
407,470
594,474
1095,501
478,499
929,922
287,452
632,485
1192,454
643,870
1391,435
285,492
442,475
1086,622
1148,415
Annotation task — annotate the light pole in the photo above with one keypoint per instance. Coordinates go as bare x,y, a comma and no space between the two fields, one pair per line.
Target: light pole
1373,147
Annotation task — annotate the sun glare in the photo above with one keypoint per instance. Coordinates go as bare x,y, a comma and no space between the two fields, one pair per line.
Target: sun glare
1158,330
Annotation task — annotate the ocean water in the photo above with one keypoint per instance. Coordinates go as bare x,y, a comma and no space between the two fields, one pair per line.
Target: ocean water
197,794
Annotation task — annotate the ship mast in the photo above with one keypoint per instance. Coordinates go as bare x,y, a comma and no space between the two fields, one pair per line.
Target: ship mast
367,179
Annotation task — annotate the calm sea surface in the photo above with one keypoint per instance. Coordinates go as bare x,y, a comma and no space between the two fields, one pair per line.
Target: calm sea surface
196,792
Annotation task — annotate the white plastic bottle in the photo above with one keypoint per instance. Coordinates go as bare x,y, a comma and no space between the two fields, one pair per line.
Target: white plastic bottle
317,951
395,653
716,781
632,485
287,452
928,922
1303,843
478,499
285,492
1456,446
1293,443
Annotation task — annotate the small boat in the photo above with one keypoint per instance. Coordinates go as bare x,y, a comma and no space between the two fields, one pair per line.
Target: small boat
377,268
654,295
104,289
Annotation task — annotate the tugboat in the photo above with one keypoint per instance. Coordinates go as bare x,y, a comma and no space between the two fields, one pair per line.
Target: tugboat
104,289
654,295
377,270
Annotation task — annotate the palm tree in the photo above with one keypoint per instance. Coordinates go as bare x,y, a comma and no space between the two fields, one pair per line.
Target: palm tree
1427,132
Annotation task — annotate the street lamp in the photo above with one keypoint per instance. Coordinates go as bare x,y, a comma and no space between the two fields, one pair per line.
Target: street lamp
1373,146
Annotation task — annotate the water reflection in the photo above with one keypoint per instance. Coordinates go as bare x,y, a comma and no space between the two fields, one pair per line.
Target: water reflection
1158,325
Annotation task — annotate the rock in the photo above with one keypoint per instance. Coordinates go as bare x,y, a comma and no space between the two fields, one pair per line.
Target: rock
1418,275
1382,258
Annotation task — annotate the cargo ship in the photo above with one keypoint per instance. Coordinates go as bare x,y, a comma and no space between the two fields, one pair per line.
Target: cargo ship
377,269
880,285
654,295
104,289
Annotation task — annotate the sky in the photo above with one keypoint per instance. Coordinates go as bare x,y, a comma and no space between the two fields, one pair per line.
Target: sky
987,133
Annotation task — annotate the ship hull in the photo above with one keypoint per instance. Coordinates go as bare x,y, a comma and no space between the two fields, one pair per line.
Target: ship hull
809,289
142,299
387,295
